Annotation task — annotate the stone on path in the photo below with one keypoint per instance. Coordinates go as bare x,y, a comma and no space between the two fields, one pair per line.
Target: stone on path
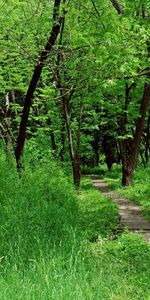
130,213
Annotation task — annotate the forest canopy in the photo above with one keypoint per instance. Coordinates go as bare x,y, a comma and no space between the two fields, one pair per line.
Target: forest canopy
79,70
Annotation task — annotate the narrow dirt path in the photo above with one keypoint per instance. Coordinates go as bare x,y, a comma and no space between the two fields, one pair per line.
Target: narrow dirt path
131,216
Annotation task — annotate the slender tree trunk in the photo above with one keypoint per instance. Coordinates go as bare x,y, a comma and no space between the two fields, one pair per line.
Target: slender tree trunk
63,138
78,155
33,83
74,156
52,137
65,97
75,169
147,140
2,130
143,158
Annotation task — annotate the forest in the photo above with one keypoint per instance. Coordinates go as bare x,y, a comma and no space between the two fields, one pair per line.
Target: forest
75,150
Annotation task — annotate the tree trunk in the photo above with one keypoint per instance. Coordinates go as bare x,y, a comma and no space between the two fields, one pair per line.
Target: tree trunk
96,147
63,138
127,175
65,97
33,83
78,155
117,6
130,163
52,137
76,173
108,152
147,140
75,159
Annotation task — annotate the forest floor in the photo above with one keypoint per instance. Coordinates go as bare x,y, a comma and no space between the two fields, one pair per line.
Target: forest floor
56,244
131,216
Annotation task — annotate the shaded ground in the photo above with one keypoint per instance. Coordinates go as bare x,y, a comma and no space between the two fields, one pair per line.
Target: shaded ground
130,213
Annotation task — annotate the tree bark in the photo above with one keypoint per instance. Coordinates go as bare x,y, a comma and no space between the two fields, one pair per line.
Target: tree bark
130,163
63,138
117,6
147,140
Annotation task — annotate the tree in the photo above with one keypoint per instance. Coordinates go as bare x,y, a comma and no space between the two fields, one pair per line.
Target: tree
130,147
35,78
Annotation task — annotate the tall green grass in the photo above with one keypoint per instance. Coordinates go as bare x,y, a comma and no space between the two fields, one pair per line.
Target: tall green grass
57,245
38,212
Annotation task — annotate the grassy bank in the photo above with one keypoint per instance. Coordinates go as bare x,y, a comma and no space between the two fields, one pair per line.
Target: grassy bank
55,244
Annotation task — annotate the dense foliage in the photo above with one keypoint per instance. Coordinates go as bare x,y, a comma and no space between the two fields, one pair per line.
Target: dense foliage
92,98
74,99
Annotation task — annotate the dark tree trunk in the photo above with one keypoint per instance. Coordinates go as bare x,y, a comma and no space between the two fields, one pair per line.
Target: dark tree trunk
33,83
75,158
108,152
117,6
127,175
63,138
76,173
96,147
53,144
118,153
52,137
130,151
129,162
147,140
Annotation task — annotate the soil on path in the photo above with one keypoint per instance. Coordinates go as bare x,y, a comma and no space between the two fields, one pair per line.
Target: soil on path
131,216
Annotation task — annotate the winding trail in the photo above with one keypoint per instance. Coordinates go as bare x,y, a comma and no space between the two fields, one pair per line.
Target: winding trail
131,216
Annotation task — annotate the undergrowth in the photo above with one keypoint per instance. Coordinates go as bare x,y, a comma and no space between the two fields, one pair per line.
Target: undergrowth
57,245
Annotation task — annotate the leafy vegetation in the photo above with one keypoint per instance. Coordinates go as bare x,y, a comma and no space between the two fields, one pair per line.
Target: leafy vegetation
74,100
58,245
87,91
